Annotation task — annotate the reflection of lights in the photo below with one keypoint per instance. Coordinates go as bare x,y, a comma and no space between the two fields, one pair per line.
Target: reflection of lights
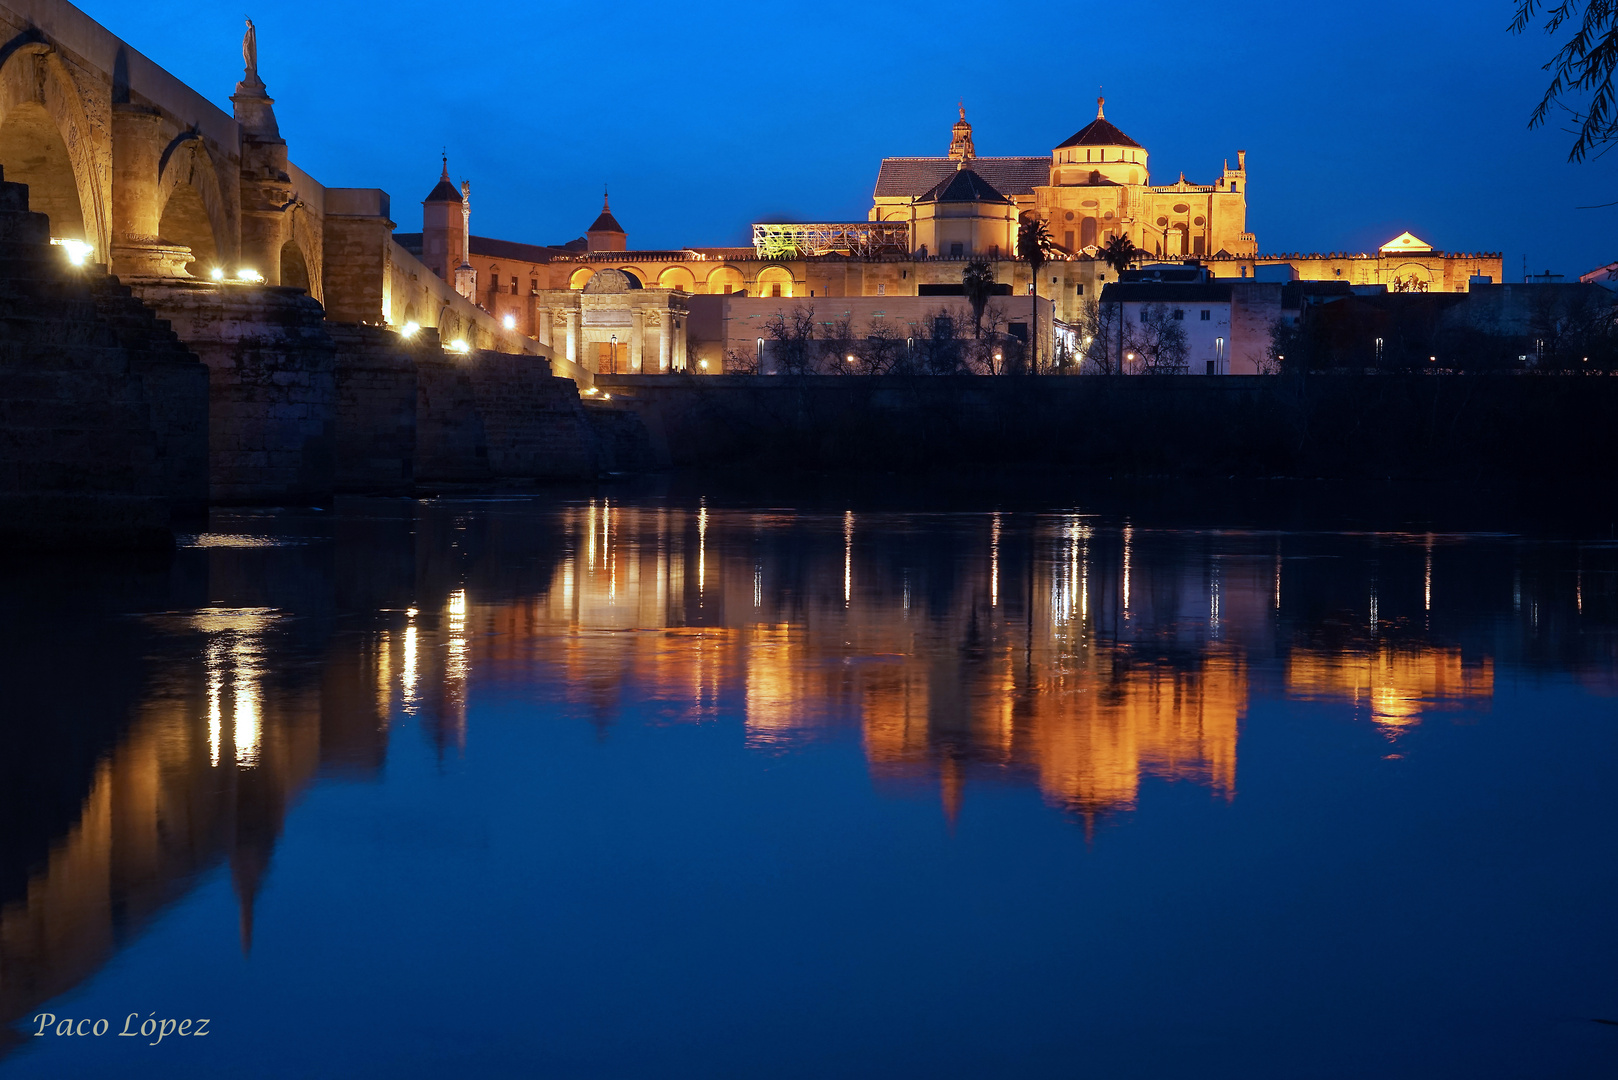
248,728
758,585
848,556
1129,535
457,610
408,678
1373,606
234,655
994,562
216,686
702,546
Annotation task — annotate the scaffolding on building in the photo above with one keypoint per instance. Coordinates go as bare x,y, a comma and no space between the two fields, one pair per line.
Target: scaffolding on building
858,238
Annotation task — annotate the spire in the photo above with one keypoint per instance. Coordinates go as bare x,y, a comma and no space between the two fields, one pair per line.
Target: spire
960,145
605,209
1101,107
445,174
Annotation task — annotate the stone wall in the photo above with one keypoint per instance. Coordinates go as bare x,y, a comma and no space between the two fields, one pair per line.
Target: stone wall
272,387
1528,429
533,424
375,441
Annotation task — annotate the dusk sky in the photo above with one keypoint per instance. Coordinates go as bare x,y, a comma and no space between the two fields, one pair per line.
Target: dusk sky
1359,121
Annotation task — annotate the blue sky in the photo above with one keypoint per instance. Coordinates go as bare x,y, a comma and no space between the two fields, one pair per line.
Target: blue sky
1359,121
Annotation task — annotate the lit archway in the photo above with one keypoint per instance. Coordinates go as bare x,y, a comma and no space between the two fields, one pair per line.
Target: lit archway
581,277
725,279
32,152
676,277
774,281
294,268
185,223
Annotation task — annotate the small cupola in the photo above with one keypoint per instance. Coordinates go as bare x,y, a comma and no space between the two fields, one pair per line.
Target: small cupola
605,234
445,190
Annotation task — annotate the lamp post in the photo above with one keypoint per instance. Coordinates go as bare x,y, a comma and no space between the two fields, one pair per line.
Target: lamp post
612,362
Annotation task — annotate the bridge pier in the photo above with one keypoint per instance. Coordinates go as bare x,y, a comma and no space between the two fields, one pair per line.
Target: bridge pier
272,386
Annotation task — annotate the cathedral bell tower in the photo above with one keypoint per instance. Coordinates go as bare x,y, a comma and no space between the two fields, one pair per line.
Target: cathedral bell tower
960,143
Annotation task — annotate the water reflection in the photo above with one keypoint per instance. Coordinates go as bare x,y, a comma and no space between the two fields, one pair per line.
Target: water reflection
1076,657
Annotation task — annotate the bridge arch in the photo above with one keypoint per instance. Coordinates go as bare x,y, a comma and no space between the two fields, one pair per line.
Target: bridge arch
46,142
194,212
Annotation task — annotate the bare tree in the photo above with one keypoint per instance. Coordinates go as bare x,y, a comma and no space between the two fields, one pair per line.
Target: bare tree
1158,341
881,352
1098,337
941,344
792,340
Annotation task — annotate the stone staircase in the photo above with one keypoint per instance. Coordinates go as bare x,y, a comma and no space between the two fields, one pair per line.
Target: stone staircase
83,461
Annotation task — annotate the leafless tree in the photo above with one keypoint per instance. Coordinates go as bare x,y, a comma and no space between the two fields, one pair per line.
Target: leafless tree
1158,341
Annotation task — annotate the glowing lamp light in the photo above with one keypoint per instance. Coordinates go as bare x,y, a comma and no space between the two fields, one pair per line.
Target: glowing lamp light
606,397
217,273
509,322
591,390
408,330
247,274
703,364
459,345
78,252
849,358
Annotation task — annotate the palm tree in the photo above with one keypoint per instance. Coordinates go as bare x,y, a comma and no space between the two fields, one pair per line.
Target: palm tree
1119,253
977,281
1034,248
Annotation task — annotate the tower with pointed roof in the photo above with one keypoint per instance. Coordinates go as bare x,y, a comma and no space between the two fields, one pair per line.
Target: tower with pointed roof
605,234
443,227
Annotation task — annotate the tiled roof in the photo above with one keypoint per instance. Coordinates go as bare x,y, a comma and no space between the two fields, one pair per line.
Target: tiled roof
444,191
907,177
965,186
1101,132
1153,292
510,249
606,223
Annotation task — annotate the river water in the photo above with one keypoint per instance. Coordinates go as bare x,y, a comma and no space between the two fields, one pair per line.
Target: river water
635,785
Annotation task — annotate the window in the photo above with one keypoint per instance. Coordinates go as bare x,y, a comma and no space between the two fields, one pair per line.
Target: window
775,290
1210,367
533,285
1206,315
728,288
957,250
1080,287
881,290
513,286
1179,315
1233,185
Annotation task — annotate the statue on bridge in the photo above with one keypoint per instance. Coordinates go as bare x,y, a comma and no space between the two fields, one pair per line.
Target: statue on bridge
250,52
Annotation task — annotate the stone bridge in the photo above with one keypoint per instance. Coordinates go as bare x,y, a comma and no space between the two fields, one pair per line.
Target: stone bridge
294,296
